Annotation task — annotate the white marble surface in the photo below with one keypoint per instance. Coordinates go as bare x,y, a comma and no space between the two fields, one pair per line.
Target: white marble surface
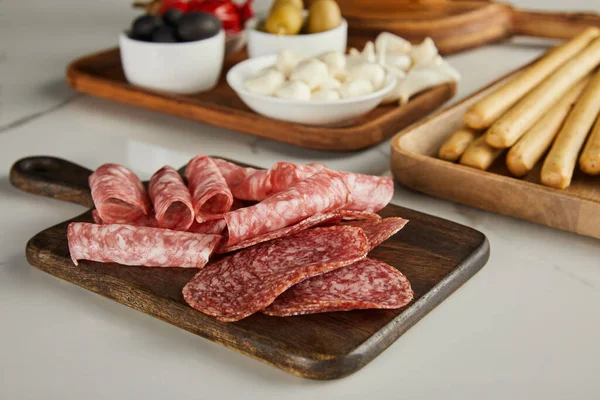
526,326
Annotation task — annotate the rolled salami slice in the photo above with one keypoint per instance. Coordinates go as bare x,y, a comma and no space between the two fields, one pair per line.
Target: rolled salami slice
248,281
246,183
321,193
215,226
141,246
171,199
378,231
211,196
369,193
118,194
365,284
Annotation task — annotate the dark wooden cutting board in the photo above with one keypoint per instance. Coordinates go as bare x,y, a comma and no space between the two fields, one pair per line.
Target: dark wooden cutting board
436,255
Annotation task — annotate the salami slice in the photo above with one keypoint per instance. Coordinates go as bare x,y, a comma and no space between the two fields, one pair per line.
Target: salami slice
286,174
215,226
369,193
246,183
211,196
317,219
143,220
365,284
171,199
118,194
378,231
321,193
248,281
141,246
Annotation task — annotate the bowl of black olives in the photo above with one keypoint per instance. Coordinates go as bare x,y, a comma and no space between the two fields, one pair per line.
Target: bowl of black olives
178,52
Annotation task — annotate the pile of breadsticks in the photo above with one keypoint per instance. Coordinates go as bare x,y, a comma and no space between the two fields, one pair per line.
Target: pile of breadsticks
550,105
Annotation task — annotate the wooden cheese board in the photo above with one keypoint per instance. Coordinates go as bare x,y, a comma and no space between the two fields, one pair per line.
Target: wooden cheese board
101,75
458,25
415,164
436,255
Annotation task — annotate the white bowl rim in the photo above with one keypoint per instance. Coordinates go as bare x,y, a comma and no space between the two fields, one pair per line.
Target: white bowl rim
125,36
389,78
256,19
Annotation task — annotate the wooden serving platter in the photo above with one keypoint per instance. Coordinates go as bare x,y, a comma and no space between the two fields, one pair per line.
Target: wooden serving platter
460,25
415,164
101,75
436,255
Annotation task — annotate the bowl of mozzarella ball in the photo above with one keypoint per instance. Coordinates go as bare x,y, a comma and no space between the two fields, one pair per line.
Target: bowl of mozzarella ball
334,88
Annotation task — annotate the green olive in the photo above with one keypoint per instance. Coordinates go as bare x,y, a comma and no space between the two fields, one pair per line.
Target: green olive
286,19
324,15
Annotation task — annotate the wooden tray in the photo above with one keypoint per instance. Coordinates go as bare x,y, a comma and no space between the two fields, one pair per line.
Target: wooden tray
101,75
437,255
415,164
460,24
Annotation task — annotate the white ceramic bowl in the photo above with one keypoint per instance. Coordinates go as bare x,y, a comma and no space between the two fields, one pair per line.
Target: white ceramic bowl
262,43
315,112
185,68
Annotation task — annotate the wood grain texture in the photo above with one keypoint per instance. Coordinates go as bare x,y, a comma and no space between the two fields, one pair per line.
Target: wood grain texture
436,255
101,75
461,24
415,164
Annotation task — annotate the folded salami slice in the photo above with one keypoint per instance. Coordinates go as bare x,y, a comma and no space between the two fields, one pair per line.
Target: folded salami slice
286,174
317,219
143,220
321,193
369,193
365,284
246,183
248,281
214,226
171,199
141,246
211,196
118,194
378,231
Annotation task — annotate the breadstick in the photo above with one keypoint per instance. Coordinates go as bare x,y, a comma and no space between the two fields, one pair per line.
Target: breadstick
522,157
589,162
558,167
512,125
456,144
483,113
479,154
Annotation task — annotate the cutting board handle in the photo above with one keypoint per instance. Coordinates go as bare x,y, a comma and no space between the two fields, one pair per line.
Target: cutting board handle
560,25
53,177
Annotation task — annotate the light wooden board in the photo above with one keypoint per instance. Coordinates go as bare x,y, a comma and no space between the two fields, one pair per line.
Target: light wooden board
436,255
415,164
101,75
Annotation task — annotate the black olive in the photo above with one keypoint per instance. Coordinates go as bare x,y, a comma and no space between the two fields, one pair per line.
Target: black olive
197,26
143,27
171,16
164,34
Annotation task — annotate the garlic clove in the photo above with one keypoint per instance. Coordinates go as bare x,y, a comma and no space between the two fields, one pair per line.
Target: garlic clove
326,95
286,61
424,53
372,72
312,71
265,82
400,61
354,52
330,83
294,90
419,80
394,94
389,43
355,88
335,61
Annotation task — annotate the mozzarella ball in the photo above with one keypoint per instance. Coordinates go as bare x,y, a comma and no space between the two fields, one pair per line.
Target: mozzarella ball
335,61
374,73
313,72
265,82
326,95
359,87
286,61
293,90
